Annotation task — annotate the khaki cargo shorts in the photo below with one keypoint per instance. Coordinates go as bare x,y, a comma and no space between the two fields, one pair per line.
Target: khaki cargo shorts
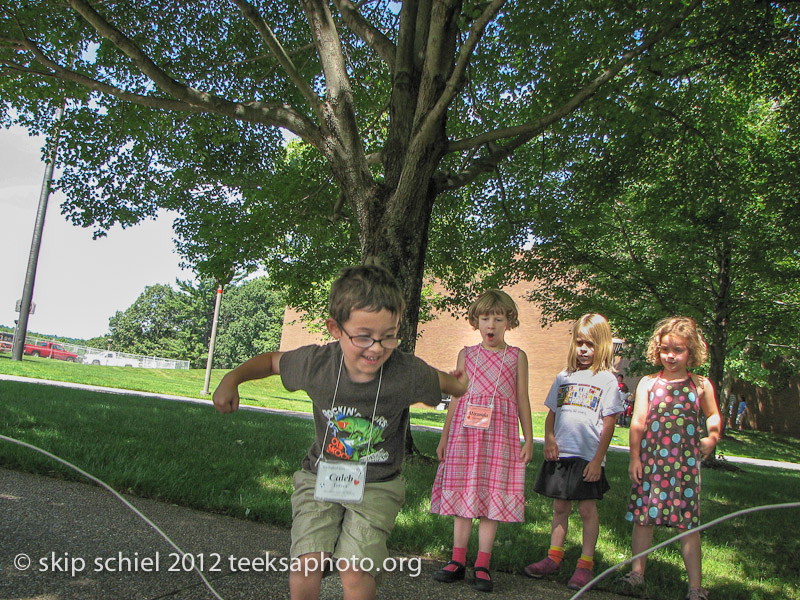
346,531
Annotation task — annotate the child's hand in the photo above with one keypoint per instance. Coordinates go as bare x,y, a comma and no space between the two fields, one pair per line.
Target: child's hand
635,470
226,396
592,471
441,449
463,381
707,445
526,452
550,449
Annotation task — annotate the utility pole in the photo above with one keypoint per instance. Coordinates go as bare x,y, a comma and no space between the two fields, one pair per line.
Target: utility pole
213,339
36,242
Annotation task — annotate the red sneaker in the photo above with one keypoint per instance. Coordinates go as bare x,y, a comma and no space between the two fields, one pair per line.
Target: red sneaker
546,566
580,578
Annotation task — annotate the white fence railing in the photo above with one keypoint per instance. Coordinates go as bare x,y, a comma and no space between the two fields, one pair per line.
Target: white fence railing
109,358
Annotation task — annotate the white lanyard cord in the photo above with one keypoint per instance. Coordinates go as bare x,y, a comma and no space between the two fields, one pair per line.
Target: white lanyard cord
499,373
333,402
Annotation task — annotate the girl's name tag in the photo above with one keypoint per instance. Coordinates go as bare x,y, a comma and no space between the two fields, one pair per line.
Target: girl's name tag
340,481
477,417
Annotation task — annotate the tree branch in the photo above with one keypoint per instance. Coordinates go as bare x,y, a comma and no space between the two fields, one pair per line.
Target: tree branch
251,14
456,80
501,188
692,129
432,67
343,142
364,30
521,134
404,62
140,59
275,114
186,98
631,252
329,48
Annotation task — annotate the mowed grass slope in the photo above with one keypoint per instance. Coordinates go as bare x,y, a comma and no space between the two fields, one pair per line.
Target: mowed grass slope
270,393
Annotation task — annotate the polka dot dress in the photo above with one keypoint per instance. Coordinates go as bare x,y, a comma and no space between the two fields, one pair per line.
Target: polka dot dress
670,455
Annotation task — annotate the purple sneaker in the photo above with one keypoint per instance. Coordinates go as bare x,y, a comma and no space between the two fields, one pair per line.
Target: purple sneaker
580,578
546,566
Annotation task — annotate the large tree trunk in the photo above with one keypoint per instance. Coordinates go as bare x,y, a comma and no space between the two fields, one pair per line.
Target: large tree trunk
719,332
403,252
394,226
394,213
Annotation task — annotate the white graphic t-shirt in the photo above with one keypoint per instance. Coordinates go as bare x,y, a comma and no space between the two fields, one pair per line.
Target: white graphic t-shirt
580,400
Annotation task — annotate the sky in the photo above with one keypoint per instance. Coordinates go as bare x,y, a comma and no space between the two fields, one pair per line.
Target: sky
80,282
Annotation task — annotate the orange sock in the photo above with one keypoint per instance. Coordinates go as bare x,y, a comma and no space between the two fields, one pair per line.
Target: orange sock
586,562
556,554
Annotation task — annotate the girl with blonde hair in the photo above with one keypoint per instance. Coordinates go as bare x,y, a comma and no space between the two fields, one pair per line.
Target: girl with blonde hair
584,403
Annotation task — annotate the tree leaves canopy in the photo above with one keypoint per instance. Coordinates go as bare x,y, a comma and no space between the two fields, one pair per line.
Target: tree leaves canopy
439,131
176,323
689,214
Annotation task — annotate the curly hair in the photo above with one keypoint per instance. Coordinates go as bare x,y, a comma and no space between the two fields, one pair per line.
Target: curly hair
683,327
494,302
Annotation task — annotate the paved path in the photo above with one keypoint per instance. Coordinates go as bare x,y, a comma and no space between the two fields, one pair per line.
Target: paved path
83,543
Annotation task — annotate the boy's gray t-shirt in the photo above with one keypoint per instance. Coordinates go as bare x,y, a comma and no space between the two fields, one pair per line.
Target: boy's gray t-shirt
406,380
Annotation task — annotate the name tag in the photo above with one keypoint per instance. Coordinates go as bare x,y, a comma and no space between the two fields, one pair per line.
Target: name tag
477,417
340,481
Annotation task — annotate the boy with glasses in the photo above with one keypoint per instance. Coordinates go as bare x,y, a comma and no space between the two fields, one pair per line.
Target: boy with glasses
349,490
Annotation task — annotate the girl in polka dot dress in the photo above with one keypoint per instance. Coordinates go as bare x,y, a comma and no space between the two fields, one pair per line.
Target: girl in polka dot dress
666,447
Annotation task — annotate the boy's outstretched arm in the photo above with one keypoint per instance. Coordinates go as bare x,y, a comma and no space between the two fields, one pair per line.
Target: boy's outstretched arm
454,383
226,396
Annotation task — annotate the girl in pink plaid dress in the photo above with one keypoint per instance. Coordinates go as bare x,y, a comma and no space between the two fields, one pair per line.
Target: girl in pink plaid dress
482,470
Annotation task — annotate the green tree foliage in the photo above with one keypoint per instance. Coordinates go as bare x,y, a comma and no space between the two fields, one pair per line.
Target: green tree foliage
645,148
251,321
100,342
176,323
159,323
408,114
692,212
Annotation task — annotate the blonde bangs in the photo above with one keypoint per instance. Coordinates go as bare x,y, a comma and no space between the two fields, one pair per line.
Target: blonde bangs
597,329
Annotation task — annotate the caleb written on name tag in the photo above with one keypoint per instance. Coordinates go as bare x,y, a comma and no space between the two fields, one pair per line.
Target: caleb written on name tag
478,417
340,481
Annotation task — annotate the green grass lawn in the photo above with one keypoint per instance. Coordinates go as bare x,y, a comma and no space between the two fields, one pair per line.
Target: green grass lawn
270,393
241,464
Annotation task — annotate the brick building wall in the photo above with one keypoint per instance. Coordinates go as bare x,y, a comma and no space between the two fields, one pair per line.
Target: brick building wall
442,338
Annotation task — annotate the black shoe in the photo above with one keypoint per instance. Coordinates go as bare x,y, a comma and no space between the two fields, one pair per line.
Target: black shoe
483,585
447,576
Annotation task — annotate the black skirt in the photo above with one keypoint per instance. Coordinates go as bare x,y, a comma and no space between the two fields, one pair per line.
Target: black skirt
563,479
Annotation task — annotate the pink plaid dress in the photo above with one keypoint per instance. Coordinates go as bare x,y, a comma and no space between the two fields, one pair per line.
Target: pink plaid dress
482,474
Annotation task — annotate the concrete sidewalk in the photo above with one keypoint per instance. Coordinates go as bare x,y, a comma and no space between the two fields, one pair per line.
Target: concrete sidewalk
64,540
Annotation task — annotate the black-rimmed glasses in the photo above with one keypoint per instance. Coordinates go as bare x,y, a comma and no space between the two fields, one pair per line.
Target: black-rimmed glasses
365,341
